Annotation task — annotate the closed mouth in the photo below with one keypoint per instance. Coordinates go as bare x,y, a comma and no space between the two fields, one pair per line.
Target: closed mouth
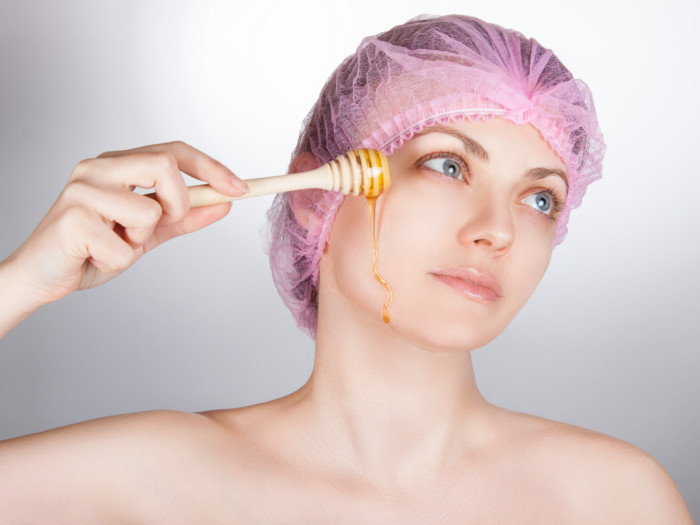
470,282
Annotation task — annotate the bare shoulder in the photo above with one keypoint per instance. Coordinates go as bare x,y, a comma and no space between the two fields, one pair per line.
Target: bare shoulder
152,430
604,478
114,466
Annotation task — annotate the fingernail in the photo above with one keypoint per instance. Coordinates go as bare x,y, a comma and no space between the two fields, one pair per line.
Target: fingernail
239,184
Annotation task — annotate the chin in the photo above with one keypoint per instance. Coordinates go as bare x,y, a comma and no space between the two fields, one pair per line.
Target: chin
453,336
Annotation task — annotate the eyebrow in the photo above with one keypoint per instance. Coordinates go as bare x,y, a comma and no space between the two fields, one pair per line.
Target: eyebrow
477,149
541,173
470,145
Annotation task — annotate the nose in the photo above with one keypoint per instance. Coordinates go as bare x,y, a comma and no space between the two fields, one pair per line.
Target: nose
488,224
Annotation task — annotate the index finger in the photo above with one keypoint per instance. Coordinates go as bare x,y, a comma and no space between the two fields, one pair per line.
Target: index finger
195,163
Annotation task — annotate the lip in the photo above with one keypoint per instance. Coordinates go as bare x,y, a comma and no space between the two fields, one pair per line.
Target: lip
474,284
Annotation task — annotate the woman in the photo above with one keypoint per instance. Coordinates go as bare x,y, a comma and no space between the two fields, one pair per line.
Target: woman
491,144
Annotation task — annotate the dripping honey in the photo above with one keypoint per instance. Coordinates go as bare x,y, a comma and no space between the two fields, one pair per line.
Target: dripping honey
372,201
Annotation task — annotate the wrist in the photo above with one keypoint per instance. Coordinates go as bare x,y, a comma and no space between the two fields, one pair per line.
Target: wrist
16,302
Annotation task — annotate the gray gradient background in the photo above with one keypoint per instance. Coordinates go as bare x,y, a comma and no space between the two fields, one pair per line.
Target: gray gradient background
609,341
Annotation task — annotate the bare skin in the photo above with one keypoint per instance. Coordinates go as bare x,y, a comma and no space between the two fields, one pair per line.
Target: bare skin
390,428
238,466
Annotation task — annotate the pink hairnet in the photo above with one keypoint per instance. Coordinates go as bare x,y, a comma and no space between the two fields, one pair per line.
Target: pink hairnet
427,71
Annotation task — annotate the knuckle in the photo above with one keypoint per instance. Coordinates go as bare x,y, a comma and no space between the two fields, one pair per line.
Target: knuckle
114,265
72,221
214,165
78,215
152,212
75,191
180,213
122,259
179,208
177,146
117,257
164,160
81,169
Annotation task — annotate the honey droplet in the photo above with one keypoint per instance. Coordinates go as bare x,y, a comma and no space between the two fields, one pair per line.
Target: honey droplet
372,201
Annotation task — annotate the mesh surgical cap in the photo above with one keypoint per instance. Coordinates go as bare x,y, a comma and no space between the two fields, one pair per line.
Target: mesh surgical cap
430,70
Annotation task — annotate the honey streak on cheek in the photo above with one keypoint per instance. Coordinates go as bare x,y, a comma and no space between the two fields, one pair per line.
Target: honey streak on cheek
372,201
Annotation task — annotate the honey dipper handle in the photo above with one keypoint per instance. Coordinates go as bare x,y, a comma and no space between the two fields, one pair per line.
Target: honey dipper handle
204,195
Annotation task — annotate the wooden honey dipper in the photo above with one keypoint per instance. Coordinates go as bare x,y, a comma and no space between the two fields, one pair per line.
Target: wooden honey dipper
357,172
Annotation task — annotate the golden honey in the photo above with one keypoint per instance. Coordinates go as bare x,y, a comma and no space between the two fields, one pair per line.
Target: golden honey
372,201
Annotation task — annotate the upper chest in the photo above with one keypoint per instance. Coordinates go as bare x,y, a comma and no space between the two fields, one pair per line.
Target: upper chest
263,495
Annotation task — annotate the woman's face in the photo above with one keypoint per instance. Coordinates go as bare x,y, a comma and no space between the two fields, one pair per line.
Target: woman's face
465,234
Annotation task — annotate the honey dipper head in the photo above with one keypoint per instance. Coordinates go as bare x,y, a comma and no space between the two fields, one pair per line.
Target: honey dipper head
374,166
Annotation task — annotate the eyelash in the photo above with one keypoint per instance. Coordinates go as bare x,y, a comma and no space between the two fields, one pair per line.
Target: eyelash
448,155
557,203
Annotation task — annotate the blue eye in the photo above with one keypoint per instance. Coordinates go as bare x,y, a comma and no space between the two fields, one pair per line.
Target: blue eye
446,165
540,201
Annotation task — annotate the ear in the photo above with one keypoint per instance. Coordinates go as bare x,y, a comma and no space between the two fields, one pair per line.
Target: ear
304,201
305,161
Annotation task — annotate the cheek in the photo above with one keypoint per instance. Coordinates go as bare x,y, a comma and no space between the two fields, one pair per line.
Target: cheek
533,256
415,232
418,217
347,262
350,227
403,234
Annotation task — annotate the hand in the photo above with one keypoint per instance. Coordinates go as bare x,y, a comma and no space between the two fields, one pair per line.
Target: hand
98,226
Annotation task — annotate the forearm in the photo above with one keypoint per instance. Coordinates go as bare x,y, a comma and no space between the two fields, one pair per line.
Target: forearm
16,303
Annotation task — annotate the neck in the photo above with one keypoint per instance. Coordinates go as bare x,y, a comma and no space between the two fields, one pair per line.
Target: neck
395,411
